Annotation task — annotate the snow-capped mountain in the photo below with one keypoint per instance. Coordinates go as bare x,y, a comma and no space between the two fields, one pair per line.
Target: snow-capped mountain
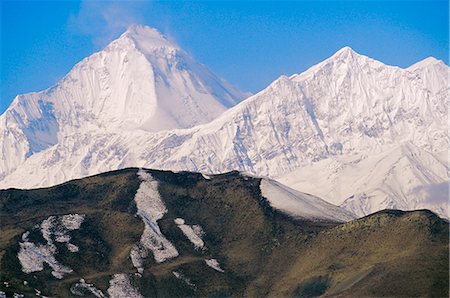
139,81
349,111
434,74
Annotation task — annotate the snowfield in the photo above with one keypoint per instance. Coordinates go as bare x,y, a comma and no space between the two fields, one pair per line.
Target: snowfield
181,276
150,208
301,205
33,256
194,233
121,287
214,264
80,288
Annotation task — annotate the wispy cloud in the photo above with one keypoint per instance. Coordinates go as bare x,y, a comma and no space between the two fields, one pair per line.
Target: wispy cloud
106,20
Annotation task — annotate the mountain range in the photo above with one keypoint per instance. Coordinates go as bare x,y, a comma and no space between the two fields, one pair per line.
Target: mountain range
147,233
358,133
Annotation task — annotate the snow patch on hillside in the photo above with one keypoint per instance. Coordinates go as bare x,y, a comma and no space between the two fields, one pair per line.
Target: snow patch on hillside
150,208
182,277
301,205
207,177
59,227
213,263
55,228
194,233
32,258
72,221
83,288
121,287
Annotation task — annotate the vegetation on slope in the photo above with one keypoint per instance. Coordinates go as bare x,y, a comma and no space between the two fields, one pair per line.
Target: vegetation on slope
262,251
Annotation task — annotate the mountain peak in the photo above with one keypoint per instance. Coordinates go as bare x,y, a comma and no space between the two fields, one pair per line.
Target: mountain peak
137,30
342,59
346,53
147,39
345,50
430,61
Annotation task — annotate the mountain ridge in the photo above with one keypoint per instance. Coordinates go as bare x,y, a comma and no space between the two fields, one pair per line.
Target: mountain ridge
346,106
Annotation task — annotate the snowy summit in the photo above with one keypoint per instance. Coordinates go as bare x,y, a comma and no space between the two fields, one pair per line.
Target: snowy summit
141,81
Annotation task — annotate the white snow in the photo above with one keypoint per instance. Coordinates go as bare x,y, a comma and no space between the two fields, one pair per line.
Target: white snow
348,106
207,177
433,75
182,277
179,221
59,227
72,221
33,256
364,185
121,287
82,286
213,263
72,247
25,235
194,233
150,208
46,227
139,81
301,205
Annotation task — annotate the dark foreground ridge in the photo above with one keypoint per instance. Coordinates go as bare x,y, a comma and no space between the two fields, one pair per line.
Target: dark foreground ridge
261,251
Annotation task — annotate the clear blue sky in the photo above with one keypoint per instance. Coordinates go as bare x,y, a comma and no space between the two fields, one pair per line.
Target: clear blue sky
249,43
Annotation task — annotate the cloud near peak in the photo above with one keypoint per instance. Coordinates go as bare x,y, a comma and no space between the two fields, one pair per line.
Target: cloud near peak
104,21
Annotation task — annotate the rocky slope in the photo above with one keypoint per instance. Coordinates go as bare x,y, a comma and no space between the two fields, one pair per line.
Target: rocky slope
141,233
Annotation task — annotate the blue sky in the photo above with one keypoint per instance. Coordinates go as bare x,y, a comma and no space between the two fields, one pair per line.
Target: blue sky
249,43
